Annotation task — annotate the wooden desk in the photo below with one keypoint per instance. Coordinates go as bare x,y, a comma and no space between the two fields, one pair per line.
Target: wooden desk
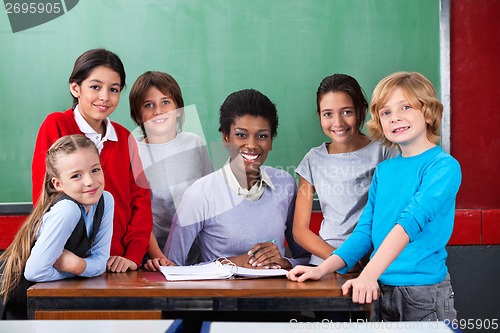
133,295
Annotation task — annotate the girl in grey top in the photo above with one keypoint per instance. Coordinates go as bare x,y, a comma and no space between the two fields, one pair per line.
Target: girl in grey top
340,171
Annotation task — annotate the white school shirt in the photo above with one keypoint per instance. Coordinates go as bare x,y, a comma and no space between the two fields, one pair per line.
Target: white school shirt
90,133
255,192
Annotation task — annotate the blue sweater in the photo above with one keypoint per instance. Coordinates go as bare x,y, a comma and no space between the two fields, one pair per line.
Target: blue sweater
419,194
228,225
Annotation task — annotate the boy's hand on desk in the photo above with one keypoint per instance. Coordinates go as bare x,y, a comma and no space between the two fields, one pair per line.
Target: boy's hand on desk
117,264
153,265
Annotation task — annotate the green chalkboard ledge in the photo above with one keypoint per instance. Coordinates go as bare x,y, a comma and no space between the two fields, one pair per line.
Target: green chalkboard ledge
17,208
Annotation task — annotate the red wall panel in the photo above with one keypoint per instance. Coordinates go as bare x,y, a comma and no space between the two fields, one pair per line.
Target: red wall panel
475,100
8,229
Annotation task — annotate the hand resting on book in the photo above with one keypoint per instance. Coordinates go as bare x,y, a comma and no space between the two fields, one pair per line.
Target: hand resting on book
219,269
262,255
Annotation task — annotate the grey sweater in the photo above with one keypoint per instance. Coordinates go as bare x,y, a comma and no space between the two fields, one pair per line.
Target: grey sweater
170,169
228,225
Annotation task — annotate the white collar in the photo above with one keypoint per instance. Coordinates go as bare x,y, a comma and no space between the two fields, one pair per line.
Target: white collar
255,192
91,133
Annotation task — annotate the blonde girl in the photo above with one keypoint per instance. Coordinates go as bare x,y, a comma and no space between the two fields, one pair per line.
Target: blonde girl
69,231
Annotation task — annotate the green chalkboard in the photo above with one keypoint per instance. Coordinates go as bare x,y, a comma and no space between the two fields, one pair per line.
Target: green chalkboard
283,48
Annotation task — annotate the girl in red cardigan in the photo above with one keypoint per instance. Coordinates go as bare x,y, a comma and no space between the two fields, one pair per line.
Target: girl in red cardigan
96,82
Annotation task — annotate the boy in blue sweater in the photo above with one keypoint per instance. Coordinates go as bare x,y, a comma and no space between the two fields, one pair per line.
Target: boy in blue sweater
408,219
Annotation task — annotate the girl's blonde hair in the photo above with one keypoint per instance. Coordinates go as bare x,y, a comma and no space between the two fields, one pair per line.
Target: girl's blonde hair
13,260
420,94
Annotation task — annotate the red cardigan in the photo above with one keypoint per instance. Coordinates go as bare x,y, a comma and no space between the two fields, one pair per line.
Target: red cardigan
133,221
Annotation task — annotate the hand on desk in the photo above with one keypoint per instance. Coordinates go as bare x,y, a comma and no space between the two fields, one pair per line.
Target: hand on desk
302,273
153,265
262,255
267,255
364,289
117,264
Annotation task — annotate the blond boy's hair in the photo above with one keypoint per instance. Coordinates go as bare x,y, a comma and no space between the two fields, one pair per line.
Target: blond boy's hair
420,94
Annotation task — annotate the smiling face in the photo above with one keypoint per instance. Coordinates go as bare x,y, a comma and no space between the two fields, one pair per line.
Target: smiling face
98,95
160,114
80,176
339,122
404,125
249,142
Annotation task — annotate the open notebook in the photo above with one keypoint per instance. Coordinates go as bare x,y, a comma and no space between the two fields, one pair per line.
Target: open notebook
215,270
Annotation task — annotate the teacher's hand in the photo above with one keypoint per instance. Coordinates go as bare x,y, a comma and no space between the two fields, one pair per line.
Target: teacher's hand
267,255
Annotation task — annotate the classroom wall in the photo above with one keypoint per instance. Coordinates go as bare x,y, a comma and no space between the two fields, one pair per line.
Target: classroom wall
475,84
475,138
